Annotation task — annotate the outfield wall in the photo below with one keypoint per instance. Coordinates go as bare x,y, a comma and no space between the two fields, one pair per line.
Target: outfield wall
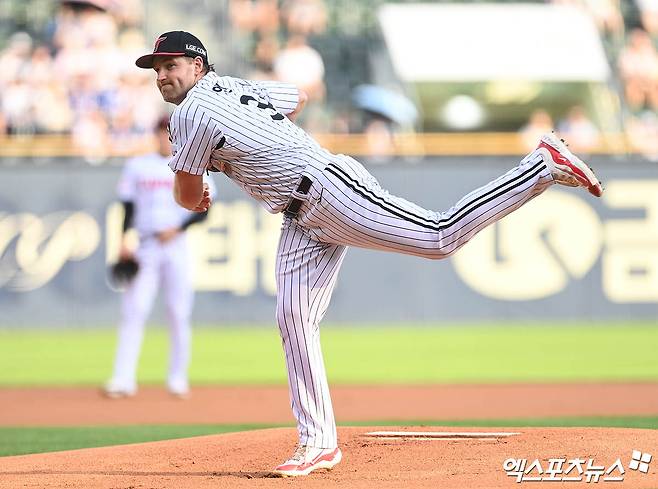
564,255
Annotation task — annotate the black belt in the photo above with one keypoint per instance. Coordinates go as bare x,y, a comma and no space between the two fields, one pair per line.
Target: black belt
295,204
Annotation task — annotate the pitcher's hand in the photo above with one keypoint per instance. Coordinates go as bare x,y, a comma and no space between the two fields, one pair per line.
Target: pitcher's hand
205,202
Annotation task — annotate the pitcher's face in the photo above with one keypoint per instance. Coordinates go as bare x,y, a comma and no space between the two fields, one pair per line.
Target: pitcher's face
176,75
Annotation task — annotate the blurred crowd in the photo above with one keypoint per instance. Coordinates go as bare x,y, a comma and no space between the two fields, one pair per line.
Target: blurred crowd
631,44
275,37
78,77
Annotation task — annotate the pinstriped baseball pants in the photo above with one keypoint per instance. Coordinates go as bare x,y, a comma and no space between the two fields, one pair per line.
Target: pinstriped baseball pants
347,207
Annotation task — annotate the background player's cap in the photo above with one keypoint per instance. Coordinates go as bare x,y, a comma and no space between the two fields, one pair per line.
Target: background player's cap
163,122
174,43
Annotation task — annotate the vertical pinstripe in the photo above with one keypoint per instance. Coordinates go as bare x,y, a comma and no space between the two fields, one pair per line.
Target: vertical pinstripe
347,207
306,272
240,124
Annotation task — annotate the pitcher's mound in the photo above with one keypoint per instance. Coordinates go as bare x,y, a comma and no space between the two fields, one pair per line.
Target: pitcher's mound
469,458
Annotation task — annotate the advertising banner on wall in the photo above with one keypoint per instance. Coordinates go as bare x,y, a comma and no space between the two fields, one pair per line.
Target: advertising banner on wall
565,255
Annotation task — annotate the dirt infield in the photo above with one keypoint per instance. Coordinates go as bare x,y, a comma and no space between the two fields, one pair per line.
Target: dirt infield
152,405
241,460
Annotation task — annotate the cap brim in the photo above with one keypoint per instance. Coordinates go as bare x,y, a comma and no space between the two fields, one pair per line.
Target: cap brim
146,61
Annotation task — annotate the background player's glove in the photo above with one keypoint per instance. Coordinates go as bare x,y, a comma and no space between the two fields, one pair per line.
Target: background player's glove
122,273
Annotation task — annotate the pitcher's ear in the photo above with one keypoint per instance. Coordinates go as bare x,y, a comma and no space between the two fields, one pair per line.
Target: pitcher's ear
198,65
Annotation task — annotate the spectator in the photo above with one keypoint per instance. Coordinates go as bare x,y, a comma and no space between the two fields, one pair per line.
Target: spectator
260,16
642,134
649,16
73,59
52,112
305,17
300,64
130,13
579,130
134,86
265,54
90,136
130,43
540,122
85,96
79,23
77,82
124,136
39,69
15,58
135,89
638,70
17,107
49,87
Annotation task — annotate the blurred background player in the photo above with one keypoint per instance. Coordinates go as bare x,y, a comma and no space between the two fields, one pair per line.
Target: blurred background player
145,189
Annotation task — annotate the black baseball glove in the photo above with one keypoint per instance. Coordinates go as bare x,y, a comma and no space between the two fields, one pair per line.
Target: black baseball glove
123,272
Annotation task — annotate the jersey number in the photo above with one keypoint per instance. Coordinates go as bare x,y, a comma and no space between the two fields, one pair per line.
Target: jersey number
245,99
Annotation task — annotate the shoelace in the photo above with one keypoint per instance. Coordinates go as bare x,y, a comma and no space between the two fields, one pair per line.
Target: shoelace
300,453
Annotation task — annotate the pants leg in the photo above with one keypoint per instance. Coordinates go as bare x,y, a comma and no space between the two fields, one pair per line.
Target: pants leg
179,298
136,305
306,273
349,207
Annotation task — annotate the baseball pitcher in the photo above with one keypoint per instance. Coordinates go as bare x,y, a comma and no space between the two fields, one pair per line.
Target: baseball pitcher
245,129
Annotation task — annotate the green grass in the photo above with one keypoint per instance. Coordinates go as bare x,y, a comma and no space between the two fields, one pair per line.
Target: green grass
353,355
20,441
640,422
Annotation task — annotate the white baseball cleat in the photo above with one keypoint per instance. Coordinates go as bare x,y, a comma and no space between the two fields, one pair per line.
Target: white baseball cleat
307,459
114,390
566,168
181,391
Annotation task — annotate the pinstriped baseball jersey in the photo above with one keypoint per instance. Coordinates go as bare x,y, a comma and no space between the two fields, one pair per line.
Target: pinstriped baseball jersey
243,124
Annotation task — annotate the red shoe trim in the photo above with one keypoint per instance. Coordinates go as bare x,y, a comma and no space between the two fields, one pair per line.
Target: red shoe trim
563,160
302,467
326,456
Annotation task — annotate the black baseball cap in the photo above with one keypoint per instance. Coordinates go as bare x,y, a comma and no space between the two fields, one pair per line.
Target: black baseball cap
174,43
